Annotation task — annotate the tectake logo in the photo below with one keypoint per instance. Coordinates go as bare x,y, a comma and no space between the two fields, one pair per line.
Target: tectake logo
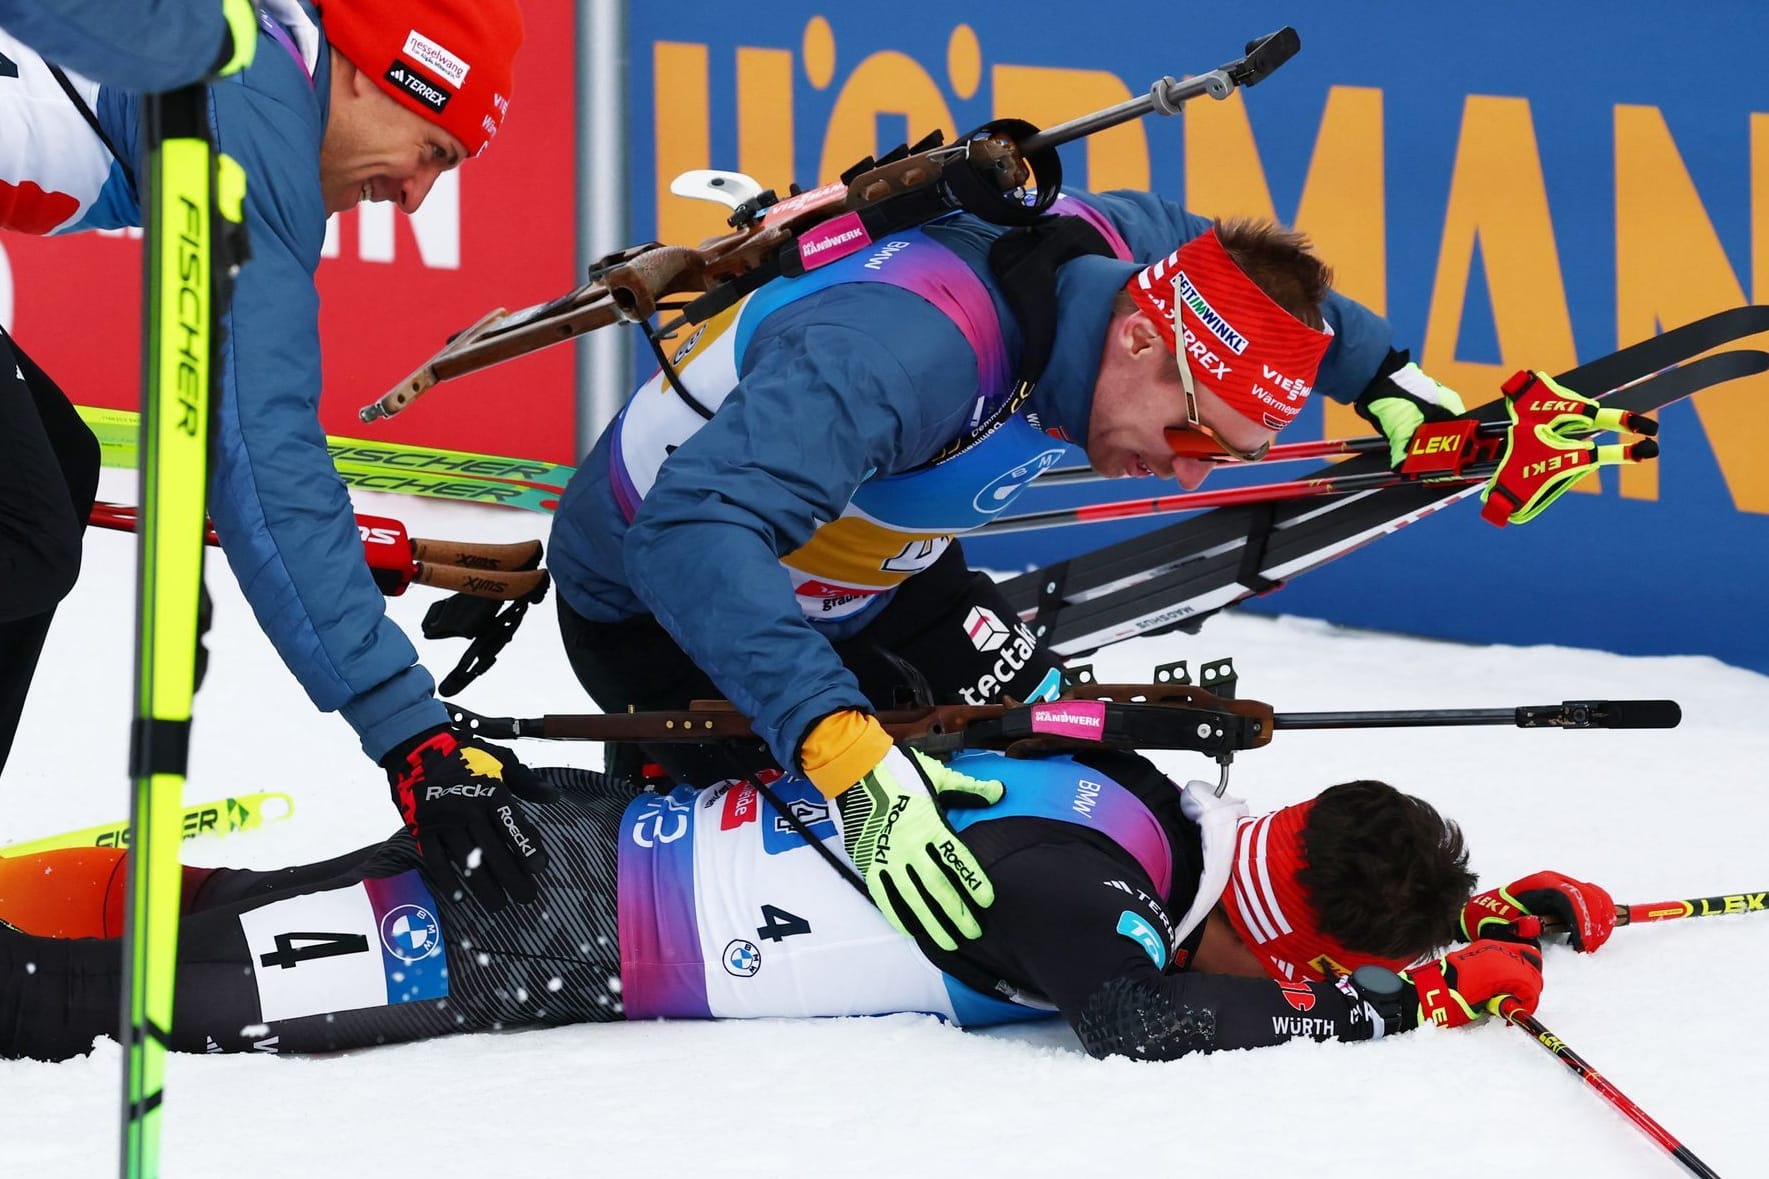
985,629
405,76
440,61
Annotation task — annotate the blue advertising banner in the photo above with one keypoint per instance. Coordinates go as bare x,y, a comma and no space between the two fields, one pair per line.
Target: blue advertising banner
1517,185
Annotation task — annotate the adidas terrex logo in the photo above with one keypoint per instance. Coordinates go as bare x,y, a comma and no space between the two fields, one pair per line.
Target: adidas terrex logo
405,76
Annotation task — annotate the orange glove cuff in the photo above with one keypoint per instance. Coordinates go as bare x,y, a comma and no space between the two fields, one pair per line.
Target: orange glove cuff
841,749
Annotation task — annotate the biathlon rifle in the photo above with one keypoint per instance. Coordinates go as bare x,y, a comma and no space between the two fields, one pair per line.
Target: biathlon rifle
1087,716
1006,171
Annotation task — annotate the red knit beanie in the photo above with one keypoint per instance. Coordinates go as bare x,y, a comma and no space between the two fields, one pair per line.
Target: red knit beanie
451,61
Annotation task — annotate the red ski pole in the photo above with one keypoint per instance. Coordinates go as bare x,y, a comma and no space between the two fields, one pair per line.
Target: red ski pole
1191,501
1513,1013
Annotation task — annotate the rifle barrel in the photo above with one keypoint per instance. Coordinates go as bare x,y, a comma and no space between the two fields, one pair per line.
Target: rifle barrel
1165,97
1168,96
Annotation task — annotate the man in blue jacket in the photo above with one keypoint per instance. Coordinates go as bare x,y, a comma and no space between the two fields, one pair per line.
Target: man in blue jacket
137,45
372,104
773,521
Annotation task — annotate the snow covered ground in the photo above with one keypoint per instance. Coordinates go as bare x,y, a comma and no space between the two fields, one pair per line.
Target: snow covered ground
1673,1014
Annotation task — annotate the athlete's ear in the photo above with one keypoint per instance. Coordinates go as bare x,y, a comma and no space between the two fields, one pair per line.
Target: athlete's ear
1136,333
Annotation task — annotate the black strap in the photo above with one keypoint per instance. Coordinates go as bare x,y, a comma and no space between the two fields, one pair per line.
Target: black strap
985,982
1025,262
1259,532
1050,598
91,117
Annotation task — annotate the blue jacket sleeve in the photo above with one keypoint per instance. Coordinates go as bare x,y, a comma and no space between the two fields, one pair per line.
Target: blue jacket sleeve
130,44
854,380
1154,227
283,515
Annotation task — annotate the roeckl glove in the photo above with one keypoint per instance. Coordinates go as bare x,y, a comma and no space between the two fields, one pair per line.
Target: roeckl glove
916,870
1401,399
1515,912
1461,986
1548,447
459,797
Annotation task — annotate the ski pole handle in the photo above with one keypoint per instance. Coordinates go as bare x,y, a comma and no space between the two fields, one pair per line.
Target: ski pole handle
481,583
1715,906
500,558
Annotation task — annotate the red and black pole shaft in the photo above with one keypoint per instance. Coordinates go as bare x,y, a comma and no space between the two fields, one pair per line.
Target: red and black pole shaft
1513,1013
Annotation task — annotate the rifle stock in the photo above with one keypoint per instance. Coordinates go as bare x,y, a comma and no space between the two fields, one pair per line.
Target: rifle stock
986,172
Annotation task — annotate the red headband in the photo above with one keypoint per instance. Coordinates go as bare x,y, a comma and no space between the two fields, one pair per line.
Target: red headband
1240,344
1270,909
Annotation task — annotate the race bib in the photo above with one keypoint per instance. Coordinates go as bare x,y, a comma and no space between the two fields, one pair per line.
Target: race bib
371,944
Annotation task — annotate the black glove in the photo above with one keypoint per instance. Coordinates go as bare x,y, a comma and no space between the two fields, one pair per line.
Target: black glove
459,797
1400,399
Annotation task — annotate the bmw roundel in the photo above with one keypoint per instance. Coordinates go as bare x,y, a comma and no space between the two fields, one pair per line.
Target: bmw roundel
1002,490
742,958
411,933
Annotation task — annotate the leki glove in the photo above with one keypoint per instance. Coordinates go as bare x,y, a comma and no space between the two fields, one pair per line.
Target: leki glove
916,871
1515,912
1401,399
1548,447
1465,984
459,797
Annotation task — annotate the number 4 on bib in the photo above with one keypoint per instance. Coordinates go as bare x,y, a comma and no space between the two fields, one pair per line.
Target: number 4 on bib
778,925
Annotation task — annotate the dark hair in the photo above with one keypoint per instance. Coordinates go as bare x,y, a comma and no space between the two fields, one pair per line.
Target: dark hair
1281,263
1386,873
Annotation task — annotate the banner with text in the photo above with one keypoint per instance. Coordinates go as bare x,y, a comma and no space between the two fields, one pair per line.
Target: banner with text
1530,190
500,231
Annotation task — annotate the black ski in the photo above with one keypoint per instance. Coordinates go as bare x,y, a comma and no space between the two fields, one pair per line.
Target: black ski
1174,577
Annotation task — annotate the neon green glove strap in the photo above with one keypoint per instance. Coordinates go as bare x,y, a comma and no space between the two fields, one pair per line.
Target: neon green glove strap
242,23
909,858
1548,448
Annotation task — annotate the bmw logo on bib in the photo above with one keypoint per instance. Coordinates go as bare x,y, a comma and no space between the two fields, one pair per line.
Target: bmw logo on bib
410,933
742,958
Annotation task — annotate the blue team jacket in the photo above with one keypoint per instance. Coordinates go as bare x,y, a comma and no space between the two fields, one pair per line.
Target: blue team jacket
135,44
282,514
854,381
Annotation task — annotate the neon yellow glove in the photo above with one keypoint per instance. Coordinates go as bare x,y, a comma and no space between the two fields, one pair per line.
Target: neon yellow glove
242,26
1401,399
1548,447
918,873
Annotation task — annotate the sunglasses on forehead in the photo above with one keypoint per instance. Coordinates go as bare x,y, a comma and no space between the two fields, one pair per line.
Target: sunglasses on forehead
1195,440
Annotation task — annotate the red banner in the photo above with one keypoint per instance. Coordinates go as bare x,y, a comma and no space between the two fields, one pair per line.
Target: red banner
500,231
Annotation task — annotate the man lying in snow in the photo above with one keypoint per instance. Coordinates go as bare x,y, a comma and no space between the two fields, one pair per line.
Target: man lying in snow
1157,920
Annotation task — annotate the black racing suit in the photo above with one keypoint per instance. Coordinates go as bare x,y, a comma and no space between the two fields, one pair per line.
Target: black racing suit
48,479
1061,891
